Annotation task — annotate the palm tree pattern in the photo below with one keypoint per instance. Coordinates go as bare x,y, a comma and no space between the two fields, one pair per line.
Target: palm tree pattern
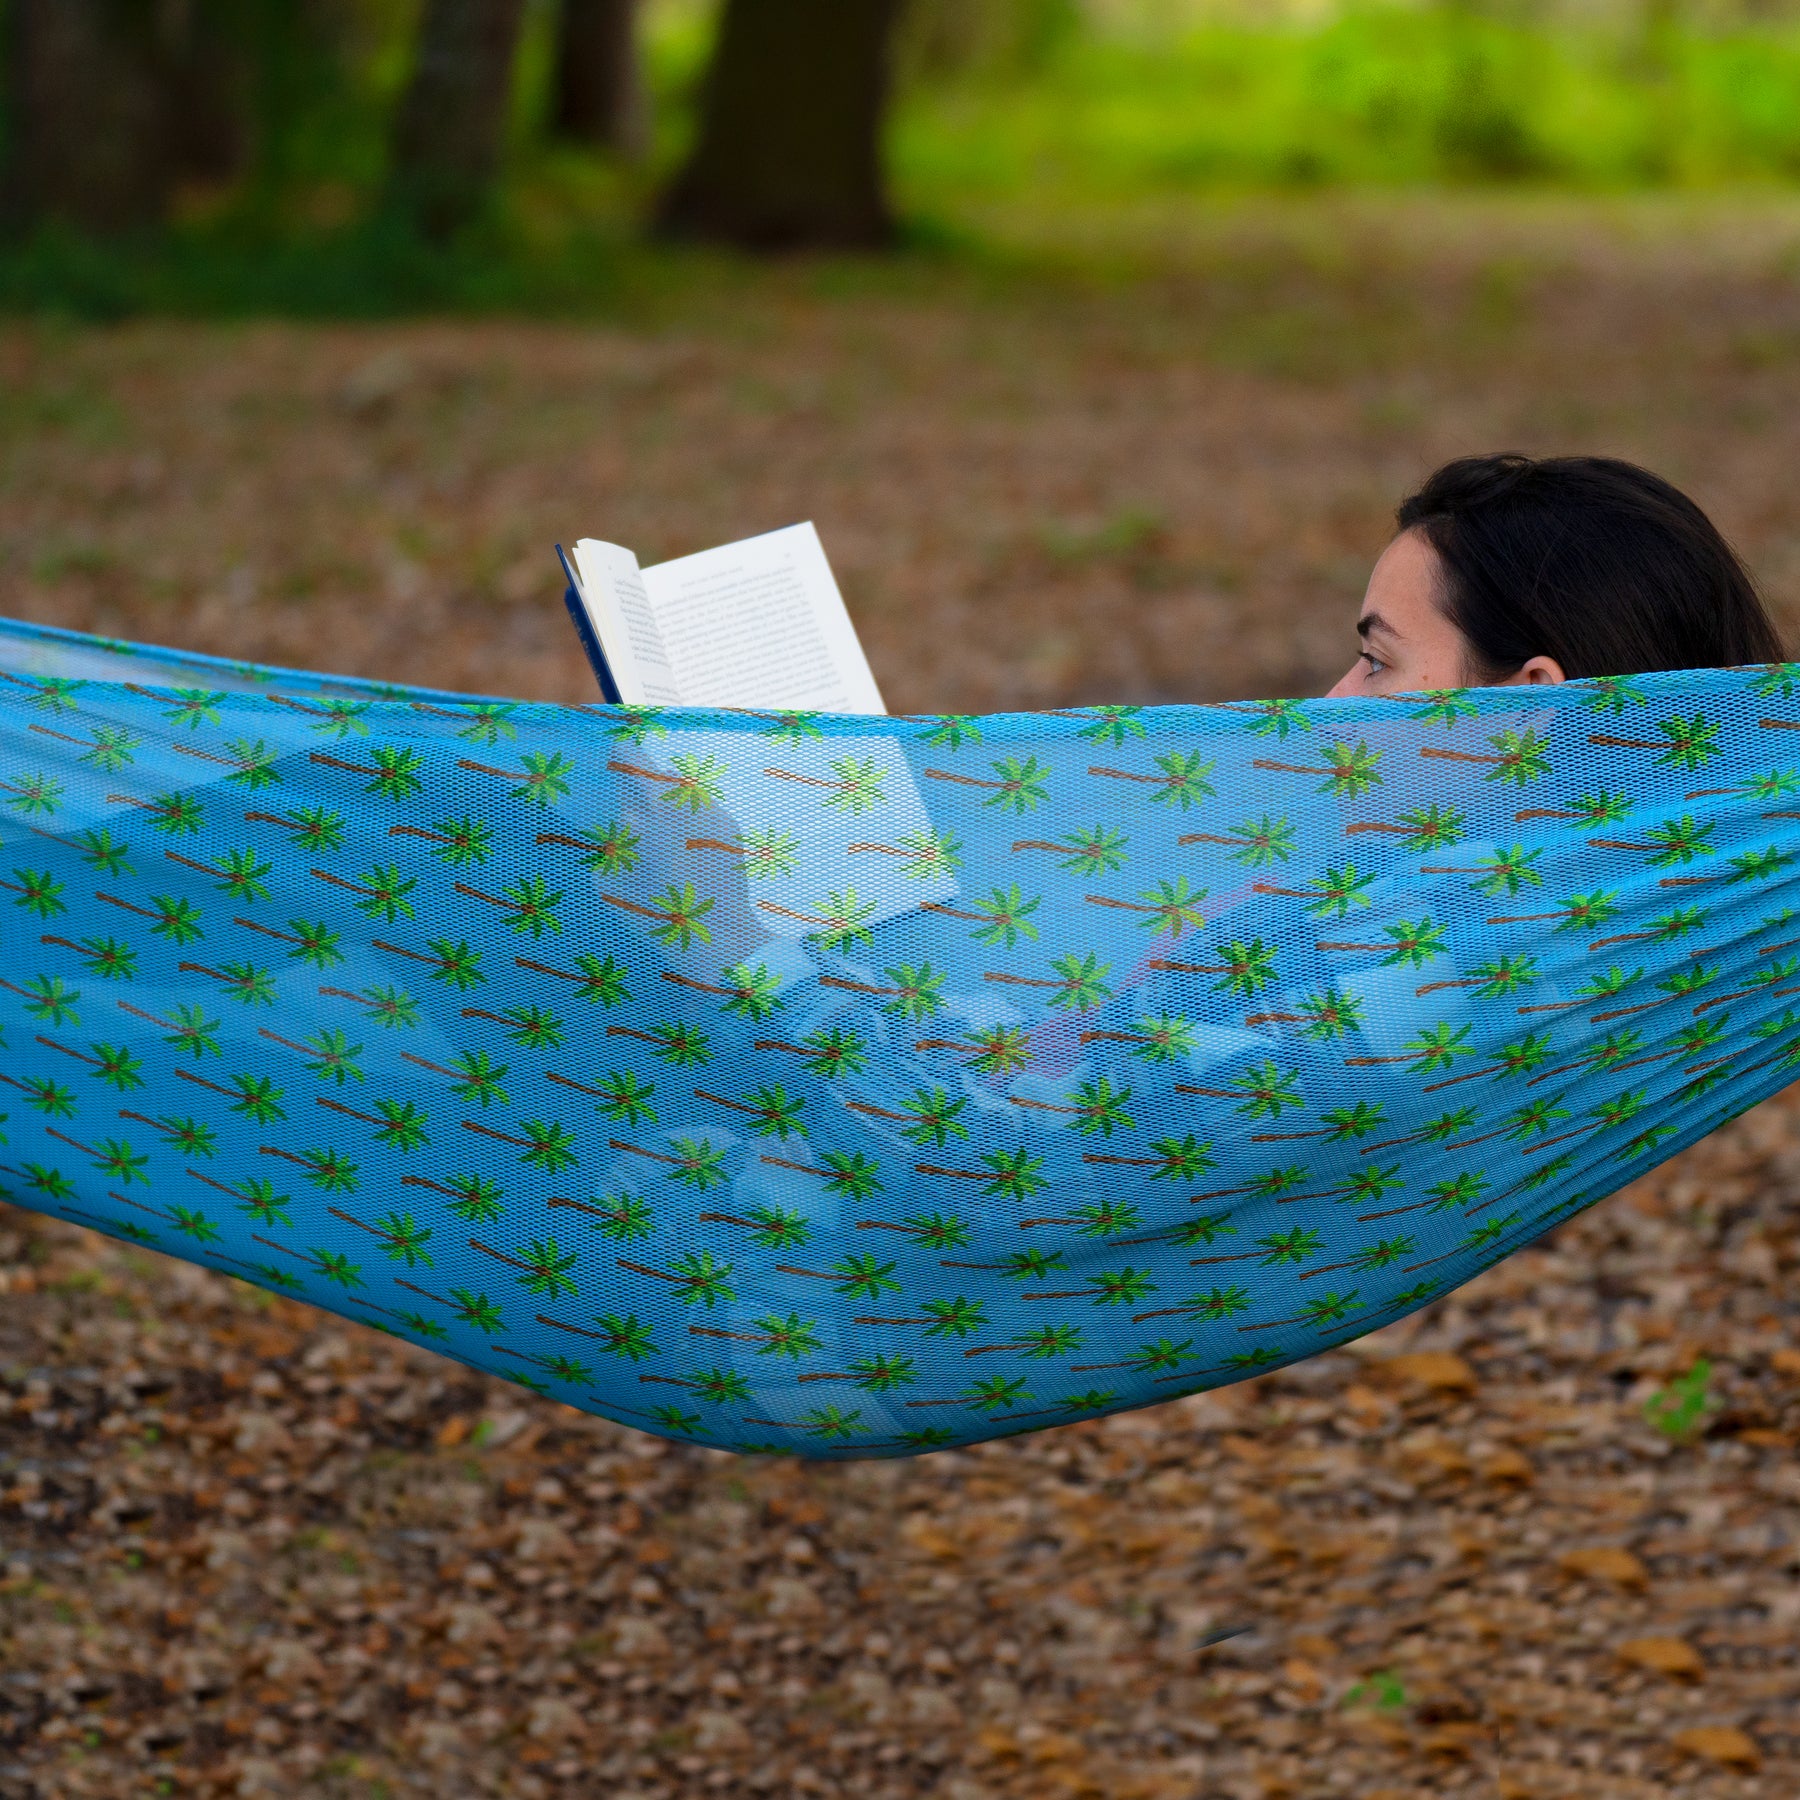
856,1087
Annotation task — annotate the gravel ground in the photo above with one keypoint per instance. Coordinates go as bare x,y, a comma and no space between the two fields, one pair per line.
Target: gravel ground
251,1550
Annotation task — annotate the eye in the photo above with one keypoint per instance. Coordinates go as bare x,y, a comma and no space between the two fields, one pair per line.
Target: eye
1375,664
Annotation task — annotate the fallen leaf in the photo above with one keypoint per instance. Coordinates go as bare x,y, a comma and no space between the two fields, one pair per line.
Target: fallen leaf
551,1717
1663,1656
1378,1728
1440,1369
1276,1545
1509,1466
1052,1747
1304,1676
391,545
1455,1740
1605,1562
717,1731
1720,1744
789,1598
998,1743
931,1539
1434,1454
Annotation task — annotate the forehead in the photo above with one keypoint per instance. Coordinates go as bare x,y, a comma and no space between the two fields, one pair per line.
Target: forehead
1401,598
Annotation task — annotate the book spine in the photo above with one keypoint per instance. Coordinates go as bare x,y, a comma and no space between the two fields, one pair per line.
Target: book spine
609,688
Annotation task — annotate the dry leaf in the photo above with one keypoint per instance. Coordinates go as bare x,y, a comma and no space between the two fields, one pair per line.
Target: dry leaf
1509,1466
1369,1407
1454,1739
931,1539
1378,1728
1052,1747
933,434
1720,1744
1606,1562
1305,1677
1663,1656
998,1742
1435,1454
1440,1369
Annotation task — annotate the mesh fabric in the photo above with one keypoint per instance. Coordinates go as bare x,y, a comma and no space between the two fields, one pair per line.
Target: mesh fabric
851,1087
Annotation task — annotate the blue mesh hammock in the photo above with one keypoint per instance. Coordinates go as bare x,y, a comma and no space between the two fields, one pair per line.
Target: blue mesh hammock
857,1086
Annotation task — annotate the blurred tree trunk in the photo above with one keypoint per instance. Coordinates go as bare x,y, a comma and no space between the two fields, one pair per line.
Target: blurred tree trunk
790,141
451,126
92,140
208,79
600,98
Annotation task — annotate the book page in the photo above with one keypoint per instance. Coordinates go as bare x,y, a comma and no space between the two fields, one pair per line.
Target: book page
620,611
761,624
769,788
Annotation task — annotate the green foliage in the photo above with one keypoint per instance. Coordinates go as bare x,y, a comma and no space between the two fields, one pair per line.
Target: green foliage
1679,1410
1368,92
1383,1691
1032,105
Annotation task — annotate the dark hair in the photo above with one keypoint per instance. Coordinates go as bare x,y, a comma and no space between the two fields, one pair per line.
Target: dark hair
1593,561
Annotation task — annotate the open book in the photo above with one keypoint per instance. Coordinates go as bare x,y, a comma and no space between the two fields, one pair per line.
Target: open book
760,627
754,624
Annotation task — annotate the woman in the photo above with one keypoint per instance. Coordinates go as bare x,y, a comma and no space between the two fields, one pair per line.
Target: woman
1513,570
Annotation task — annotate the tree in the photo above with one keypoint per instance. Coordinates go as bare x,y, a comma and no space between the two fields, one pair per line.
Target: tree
600,97
451,125
789,155
91,141
114,103
218,51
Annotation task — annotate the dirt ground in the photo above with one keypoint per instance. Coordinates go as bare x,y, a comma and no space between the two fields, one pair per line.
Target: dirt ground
251,1550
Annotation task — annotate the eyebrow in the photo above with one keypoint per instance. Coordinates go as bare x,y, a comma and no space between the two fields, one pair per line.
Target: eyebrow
1370,623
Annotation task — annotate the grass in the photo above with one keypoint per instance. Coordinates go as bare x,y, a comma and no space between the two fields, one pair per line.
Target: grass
362,271
1679,1410
1371,93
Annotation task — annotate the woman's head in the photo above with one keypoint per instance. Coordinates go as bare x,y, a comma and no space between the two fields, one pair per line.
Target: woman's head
1510,569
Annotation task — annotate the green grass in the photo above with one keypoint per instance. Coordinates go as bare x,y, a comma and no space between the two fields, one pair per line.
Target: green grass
371,270
1679,1410
1373,93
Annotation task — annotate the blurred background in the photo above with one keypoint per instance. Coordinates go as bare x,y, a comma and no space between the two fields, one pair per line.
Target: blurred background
1100,338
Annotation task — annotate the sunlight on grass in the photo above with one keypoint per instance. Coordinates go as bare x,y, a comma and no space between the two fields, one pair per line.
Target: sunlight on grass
1379,93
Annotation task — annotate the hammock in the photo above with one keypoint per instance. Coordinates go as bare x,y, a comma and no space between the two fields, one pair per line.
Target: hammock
858,1086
